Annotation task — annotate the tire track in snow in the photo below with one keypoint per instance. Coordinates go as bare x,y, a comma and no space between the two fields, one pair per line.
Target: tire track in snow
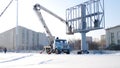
43,62
18,58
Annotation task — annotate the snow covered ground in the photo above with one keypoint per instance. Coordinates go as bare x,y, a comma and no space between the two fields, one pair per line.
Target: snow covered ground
36,60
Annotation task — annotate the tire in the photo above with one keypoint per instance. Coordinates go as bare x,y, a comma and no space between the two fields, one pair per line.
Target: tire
57,51
68,52
79,52
83,52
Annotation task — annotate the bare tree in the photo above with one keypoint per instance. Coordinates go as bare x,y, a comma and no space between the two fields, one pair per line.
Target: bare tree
75,44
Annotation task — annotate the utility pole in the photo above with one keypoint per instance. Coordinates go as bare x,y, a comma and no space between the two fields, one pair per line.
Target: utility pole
17,42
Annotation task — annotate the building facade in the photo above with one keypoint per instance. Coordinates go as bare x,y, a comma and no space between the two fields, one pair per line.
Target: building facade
23,39
89,39
103,41
113,36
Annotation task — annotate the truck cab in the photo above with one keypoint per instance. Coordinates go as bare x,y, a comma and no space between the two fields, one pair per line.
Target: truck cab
61,45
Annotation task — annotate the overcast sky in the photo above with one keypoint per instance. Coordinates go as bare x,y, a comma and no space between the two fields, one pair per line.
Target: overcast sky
29,19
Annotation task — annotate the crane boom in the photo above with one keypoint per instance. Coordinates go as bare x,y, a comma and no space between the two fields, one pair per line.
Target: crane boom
38,7
51,38
43,23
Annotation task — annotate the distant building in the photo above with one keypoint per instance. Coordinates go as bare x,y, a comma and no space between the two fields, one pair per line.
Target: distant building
89,39
26,39
103,37
113,35
103,41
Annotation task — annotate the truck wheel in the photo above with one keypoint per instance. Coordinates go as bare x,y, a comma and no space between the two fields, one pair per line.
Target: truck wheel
83,52
79,52
68,52
57,51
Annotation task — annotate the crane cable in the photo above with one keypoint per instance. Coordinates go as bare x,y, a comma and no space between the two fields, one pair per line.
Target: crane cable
6,8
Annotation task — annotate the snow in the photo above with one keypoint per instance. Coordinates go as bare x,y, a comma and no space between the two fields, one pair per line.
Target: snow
36,60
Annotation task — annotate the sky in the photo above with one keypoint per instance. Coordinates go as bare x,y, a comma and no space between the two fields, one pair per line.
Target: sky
28,18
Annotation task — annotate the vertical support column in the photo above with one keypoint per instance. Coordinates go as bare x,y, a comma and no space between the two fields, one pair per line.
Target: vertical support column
84,47
103,15
83,18
83,42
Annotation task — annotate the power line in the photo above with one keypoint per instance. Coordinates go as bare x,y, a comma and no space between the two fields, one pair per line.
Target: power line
6,8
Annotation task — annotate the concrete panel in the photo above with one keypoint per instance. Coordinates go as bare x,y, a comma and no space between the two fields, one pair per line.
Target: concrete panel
26,39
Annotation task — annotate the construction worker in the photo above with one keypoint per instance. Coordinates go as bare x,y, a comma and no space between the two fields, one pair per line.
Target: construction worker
70,29
5,50
96,23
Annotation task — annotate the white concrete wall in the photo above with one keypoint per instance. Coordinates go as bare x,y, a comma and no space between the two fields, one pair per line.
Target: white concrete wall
114,30
31,39
7,39
89,39
27,39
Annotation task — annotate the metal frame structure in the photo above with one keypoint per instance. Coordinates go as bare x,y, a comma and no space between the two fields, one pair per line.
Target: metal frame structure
85,17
